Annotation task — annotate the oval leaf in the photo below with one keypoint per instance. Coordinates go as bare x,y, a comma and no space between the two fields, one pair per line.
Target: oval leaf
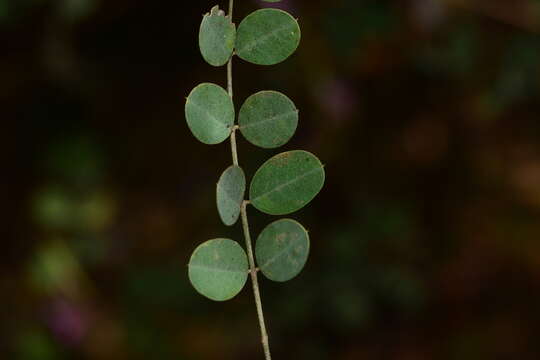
230,192
218,269
210,113
282,249
268,119
216,37
267,37
286,182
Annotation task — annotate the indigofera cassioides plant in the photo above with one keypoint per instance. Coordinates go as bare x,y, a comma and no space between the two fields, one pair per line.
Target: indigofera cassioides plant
219,268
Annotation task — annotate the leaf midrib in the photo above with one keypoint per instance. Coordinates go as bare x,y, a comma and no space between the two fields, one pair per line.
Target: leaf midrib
208,268
292,181
266,120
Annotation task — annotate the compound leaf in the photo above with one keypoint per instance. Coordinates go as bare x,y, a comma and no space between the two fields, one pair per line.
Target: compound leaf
268,119
216,37
286,182
230,192
267,37
210,113
282,249
218,269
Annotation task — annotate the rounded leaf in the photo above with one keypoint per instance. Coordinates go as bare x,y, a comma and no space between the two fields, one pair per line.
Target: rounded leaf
230,191
286,182
218,269
216,37
210,113
268,119
267,37
282,249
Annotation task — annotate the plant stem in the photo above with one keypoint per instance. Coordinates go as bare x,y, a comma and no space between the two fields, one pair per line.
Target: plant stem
245,224
233,147
231,8
229,78
230,90
255,282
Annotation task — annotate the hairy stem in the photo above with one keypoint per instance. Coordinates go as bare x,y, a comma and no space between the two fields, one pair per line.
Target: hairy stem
245,223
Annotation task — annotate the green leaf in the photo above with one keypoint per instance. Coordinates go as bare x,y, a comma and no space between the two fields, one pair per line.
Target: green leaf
210,113
267,37
282,249
218,269
216,37
268,119
230,191
286,182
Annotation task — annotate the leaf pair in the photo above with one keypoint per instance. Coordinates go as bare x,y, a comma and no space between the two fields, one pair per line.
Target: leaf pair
265,37
267,119
218,268
282,185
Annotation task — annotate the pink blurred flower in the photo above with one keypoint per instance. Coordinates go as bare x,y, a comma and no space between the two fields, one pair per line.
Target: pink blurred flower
67,321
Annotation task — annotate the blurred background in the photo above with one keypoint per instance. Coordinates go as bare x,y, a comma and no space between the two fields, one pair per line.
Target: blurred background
425,238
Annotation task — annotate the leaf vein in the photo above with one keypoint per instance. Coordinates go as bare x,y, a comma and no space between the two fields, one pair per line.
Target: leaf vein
280,253
266,120
290,182
208,268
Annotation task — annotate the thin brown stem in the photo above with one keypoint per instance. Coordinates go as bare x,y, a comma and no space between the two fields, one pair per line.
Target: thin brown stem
233,147
245,224
255,282
231,8
230,91
229,77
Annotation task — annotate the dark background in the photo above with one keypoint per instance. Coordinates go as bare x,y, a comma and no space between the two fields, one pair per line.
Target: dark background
425,238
